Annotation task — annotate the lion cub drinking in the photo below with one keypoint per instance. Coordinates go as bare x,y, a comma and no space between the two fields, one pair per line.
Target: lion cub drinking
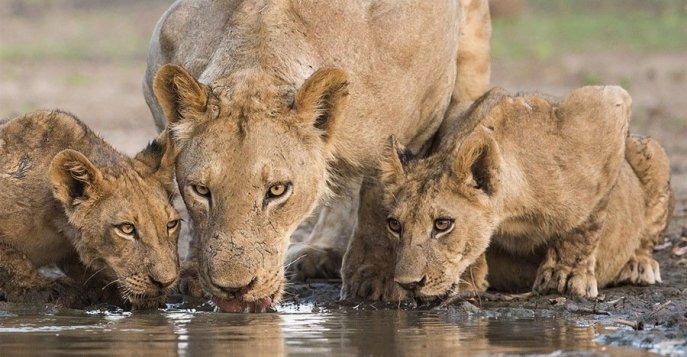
68,198
564,198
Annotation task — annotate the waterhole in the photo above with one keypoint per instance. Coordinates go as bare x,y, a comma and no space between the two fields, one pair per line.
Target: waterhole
41,330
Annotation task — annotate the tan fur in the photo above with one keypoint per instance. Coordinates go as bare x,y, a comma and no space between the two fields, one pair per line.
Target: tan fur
567,200
64,192
257,93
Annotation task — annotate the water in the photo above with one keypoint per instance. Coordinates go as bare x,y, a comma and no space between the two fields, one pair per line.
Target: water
36,330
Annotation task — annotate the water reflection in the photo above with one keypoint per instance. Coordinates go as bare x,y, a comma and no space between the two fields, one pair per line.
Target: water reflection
190,333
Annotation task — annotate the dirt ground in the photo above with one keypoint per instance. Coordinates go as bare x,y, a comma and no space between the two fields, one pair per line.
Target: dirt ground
88,57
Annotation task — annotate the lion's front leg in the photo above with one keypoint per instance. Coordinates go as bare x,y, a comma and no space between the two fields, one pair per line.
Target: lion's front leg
652,167
189,280
474,278
569,263
21,281
370,260
320,254
368,269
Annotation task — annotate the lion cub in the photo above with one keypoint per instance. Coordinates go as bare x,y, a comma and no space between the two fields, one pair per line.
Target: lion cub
68,198
564,198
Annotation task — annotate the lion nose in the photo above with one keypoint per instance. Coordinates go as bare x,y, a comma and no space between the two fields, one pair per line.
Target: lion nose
162,284
411,285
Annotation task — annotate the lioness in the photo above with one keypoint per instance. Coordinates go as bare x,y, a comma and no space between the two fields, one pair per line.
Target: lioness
274,104
567,200
70,199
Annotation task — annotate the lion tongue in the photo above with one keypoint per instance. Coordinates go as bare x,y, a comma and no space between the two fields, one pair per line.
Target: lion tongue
264,303
238,305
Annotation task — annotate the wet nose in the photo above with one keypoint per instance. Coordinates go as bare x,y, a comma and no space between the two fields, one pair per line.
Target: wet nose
412,284
163,283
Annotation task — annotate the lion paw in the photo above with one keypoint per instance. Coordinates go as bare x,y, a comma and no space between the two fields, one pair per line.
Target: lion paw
66,292
189,281
474,279
564,280
369,282
62,291
40,294
640,270
312,262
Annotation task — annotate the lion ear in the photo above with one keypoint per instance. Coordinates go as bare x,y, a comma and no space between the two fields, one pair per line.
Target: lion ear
392,163
476,163
182,98
74,178
159,157
322,99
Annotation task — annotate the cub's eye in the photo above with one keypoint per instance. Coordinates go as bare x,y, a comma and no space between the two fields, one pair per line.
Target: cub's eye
126,229
394,225
201,190
172,224
278,190
442,225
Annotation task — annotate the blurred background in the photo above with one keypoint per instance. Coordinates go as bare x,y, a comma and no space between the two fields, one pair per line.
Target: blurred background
88,57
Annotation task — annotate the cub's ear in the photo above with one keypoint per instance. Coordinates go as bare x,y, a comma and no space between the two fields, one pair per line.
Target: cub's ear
74,178
322,99
476,164
182,99
159,157
393,160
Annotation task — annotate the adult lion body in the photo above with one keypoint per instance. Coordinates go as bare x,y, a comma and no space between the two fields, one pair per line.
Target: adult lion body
253,104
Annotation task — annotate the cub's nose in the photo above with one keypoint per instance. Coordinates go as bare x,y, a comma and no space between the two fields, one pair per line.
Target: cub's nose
163,283
411,284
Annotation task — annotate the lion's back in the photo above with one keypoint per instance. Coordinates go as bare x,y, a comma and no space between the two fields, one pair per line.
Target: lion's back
400,56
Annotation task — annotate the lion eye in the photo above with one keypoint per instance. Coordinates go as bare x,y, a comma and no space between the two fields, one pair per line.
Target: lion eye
172,224
201,190
126,229
443,224
394,225
277,190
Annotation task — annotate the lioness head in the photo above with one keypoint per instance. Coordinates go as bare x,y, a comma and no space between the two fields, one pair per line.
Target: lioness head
252,165
127,227
441,215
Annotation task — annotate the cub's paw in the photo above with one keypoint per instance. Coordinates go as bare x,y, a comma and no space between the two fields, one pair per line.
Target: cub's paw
33,294
369,282
565,280
305,261
64,291
475,286
189,281
474,279
640,270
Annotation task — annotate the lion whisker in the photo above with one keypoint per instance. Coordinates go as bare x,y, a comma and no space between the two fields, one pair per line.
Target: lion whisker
110,283
92,275
295,261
